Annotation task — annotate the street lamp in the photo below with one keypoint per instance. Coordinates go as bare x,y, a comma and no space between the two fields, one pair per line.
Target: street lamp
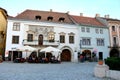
80,44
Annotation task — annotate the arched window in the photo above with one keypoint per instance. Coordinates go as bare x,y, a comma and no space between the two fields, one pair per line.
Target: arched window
38,17
61,19
50,18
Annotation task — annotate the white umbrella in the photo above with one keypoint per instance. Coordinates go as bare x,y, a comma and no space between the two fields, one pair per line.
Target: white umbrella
50,49
27,49
53,50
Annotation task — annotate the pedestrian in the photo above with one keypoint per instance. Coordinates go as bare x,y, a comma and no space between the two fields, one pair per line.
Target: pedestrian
81,58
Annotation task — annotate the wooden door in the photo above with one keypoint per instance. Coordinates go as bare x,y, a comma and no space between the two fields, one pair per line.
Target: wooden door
66,55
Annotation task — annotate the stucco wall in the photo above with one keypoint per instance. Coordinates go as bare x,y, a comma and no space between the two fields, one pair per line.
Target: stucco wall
93,36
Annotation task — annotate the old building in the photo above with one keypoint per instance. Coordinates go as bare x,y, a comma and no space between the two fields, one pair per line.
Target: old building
73,35
93,37
3,26
40,29
114,33
114,29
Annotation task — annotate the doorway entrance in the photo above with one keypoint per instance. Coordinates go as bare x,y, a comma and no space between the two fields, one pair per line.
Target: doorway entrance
114,52
87,55
65,55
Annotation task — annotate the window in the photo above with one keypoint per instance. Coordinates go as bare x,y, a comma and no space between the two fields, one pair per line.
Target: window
88,30
62,38
51,37
50,18
113,28
15,39
71,39
38,17
30,37
16,26
86,41
114,41
61,19
97,31
100,42
83,29
101,31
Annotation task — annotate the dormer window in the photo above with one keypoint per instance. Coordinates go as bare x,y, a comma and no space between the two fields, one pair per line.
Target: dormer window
61,19
50,18
38,17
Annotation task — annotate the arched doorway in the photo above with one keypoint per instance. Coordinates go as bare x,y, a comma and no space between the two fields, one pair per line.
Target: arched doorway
40,39
114,53
65,55
87,55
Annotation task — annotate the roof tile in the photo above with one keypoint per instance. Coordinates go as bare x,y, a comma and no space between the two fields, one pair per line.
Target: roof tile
87,21
31,15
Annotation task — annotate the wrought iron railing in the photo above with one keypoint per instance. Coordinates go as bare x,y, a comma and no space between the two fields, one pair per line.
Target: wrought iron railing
44,42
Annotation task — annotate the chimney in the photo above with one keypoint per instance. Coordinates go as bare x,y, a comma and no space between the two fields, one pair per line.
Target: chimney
51,10
81,14
68,12
107,16
97,15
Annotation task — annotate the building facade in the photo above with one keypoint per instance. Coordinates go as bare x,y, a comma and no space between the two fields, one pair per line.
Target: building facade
40,29
93,38
114,33
3,26
114,29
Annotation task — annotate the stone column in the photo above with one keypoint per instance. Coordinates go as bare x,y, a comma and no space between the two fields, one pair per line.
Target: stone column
101,70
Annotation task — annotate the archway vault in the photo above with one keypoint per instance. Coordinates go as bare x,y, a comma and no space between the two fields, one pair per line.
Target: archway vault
114,52
87,54
67,54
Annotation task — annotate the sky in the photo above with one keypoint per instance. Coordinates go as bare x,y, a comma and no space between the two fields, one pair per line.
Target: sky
88,7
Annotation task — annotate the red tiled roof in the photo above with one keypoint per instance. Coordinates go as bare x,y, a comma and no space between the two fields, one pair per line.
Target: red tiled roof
31,14
87,21
10,16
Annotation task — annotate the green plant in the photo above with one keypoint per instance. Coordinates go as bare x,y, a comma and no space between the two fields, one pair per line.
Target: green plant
113,63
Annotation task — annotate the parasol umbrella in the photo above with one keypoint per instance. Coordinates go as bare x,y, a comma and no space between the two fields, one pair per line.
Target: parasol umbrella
27,49
51,49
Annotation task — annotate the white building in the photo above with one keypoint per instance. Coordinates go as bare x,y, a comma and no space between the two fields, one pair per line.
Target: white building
93,37
40,29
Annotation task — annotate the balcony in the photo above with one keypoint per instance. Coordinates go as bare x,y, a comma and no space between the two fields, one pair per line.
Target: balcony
44,43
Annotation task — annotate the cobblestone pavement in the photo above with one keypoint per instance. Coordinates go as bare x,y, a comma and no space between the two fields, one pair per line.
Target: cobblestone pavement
63,71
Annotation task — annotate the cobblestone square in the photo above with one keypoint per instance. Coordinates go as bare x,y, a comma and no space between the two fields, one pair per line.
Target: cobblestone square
63,71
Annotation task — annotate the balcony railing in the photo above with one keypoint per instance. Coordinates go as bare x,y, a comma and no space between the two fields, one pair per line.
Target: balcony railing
44,43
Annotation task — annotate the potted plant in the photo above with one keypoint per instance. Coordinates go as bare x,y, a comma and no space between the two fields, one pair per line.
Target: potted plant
100,62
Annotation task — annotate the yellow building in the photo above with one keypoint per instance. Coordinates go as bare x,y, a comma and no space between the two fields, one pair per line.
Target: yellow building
3,27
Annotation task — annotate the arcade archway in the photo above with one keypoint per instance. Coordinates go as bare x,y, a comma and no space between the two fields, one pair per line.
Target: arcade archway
65,55
114,53
87,55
